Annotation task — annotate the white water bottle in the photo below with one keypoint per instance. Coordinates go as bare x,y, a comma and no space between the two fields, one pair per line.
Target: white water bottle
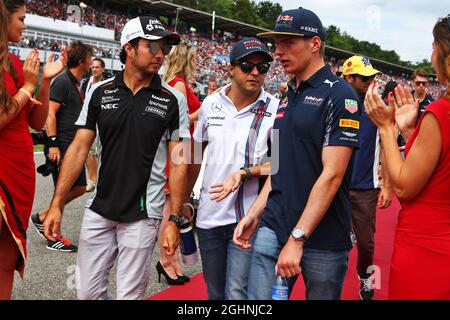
188,246
280,290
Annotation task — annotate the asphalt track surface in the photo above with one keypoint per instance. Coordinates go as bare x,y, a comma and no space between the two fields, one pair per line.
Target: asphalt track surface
49,275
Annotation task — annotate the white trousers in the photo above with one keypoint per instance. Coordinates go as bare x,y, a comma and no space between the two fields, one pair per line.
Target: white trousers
102,241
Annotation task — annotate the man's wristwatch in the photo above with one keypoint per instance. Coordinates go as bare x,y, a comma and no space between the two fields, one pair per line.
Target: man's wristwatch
180,221
248,174
299,235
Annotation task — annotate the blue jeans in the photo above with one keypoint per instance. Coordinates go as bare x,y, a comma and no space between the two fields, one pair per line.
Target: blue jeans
323,270
225,265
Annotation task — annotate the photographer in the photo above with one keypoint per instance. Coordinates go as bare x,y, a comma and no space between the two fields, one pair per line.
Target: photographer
66,101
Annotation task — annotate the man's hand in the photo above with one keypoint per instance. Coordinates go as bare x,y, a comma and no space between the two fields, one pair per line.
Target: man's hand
52,224
244,231
222,190
171,238
288,264
54,154
384,198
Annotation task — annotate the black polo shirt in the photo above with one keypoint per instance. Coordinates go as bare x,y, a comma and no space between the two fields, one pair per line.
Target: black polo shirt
65,90
423,105
323,111
134,131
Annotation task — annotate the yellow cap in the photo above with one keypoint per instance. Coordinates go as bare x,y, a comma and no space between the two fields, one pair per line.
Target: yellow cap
359,65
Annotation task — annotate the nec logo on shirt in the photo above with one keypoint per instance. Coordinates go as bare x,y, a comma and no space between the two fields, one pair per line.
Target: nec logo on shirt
109,106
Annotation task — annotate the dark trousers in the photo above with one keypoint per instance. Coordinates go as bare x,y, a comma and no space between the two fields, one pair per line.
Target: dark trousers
364,208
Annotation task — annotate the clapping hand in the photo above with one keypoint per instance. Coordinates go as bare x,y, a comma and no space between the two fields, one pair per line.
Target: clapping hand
53,68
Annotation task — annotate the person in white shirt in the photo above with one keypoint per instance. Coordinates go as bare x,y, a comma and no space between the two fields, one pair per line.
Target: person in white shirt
97,70
236,124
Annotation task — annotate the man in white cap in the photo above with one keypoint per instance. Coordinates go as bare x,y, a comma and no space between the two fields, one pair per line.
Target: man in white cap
139,120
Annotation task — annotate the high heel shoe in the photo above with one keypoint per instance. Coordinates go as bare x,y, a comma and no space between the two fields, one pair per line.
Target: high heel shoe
183,278
171,281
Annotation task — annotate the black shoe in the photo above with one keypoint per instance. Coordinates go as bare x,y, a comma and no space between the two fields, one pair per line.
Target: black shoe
183,278
171,281
63,244
366,289
38,224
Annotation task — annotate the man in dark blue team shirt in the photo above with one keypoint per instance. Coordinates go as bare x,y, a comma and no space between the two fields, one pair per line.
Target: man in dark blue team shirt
306,223
365,187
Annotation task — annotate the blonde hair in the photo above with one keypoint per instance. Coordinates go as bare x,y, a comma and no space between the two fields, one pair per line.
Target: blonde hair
180,62
441,34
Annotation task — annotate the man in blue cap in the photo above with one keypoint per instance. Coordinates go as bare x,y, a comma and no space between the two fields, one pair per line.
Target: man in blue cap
236,124
305,224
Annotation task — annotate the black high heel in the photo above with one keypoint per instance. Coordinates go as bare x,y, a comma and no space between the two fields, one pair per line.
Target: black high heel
184,278
171,281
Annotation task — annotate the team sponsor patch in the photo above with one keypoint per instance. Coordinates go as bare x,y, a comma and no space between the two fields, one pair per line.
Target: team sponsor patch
349,134
216,107
351,105
315,101
157,111
280,114
283,103
261,112
349,123
109,106
109,99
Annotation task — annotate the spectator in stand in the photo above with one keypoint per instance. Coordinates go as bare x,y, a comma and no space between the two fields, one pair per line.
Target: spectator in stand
421,259
212,86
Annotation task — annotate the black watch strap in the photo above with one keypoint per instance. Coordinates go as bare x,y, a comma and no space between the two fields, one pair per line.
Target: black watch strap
180,221
248,174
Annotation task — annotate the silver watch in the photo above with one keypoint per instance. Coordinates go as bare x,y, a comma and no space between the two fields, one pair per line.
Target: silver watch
299,234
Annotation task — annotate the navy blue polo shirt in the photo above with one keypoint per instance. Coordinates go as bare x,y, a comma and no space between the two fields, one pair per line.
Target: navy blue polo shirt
323,111
365,160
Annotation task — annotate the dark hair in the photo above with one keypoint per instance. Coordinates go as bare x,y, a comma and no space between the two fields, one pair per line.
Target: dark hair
7,8
123,53
420,73
102,63
78,52
441,34
388,88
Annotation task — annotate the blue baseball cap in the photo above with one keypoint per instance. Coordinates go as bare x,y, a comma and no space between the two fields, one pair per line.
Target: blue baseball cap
248,46
297,22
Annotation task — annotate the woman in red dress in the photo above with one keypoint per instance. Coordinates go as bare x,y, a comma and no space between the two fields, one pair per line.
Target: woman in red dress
420,266
179,71
18,111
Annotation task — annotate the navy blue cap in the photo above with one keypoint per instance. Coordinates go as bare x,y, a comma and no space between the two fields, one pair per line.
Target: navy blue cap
297,22
248,46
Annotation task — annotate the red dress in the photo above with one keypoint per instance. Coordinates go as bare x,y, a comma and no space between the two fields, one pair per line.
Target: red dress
17,170
193,103
420,267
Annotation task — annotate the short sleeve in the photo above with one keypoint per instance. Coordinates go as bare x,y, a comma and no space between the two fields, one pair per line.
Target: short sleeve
89,113
179,124
59,89
343,120
200,133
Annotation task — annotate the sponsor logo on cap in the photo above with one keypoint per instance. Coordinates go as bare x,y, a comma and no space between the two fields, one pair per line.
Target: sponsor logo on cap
349,123
310,29
154,24
285,18
351,105
366,61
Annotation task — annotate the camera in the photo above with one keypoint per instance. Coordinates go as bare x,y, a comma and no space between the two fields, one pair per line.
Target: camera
39,137
47,168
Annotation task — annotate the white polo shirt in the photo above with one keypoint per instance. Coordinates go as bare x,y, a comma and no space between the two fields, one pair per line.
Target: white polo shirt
235,140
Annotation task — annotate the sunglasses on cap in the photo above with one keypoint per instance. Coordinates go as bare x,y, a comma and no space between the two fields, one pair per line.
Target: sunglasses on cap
247,67
155,46
421,83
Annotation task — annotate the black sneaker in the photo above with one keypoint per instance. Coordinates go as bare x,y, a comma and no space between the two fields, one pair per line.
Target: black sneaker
366,289
38,224
63,244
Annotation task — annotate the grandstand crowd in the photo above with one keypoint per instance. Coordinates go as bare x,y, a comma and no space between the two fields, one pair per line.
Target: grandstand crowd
211,54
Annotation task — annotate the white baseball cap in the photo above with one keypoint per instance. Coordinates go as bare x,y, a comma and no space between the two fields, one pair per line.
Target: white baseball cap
148,28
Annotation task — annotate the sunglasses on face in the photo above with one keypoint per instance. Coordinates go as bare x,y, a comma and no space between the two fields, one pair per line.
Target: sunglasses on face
365,78
421,83
155,46
247,67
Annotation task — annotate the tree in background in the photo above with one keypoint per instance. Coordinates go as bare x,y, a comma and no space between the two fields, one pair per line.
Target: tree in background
268,12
